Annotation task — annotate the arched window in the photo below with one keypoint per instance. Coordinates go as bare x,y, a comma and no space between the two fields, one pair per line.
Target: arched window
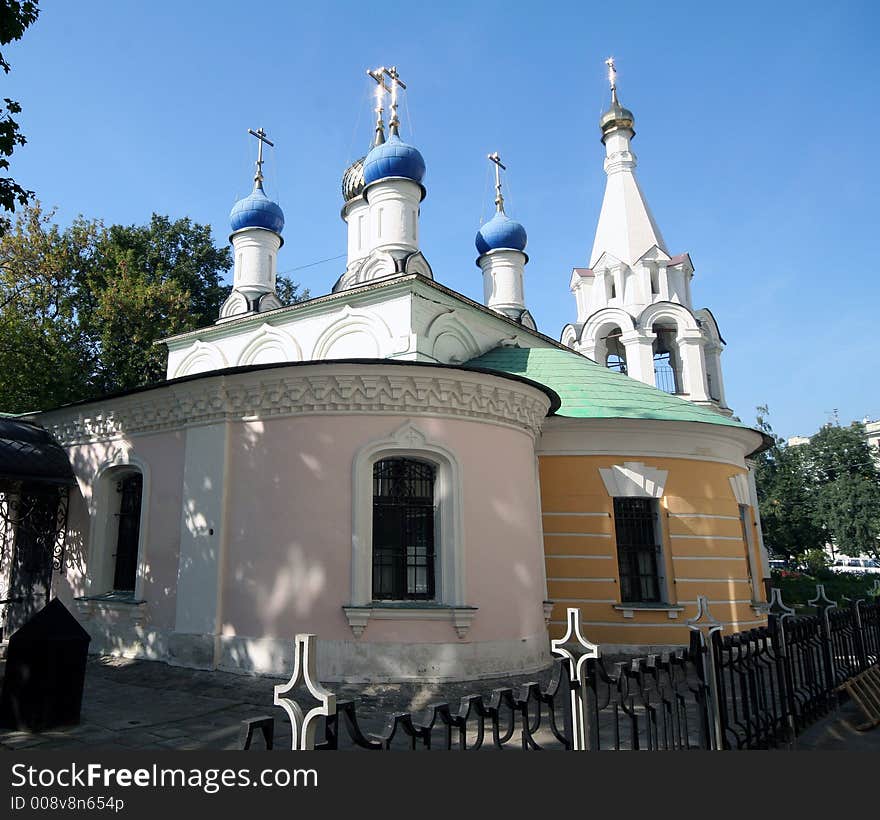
403,529
615,352
130,489
667,366
119,532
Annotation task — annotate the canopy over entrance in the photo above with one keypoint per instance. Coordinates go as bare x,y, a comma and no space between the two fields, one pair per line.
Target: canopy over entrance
29,454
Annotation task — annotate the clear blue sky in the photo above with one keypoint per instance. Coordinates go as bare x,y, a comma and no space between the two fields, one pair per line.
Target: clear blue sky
757,125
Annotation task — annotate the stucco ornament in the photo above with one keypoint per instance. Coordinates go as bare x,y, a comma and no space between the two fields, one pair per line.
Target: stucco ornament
303,724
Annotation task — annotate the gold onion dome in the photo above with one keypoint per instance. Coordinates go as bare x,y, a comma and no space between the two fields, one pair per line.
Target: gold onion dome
616,117
353,180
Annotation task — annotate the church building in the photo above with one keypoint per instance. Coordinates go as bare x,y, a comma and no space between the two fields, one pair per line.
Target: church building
425,482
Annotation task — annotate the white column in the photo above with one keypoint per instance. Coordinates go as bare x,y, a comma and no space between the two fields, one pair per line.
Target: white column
195,641
600,291
639,355
693,367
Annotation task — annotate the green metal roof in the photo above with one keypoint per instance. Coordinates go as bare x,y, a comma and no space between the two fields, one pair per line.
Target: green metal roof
590,391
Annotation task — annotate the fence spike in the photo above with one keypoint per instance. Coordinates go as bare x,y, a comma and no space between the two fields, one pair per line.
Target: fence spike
303,724
822,601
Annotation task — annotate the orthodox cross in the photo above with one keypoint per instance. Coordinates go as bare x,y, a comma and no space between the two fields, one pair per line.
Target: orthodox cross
396,83
612,73
260,134
378,74
499,199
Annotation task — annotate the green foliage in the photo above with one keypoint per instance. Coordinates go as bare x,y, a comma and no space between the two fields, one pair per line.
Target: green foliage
823,492
798,588
82,308
787,509
15,17
816,561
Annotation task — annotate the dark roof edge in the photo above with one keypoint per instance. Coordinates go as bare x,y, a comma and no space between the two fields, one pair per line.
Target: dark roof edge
555,400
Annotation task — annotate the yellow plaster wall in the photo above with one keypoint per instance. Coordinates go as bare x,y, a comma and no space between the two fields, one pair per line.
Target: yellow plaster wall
703,549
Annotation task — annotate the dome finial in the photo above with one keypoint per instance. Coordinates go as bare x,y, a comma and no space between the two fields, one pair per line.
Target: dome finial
499,198
612,79
260,134
396,82
381,89
616,116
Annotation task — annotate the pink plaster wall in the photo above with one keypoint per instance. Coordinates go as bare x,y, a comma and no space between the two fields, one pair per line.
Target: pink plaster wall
163,454
288,559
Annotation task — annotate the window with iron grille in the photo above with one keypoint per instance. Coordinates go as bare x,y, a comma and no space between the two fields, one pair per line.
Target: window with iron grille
638,550
403,529
130,489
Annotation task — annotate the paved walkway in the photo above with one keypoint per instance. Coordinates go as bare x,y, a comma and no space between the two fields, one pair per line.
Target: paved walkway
131,705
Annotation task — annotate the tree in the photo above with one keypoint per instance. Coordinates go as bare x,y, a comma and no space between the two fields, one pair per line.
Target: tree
15,17
788,514
82,308
150,281
844,480
823,493
46,355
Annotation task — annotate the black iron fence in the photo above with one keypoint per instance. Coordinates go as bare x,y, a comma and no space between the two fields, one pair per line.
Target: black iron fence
756,689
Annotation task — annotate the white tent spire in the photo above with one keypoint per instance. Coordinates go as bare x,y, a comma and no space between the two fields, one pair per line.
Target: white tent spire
626,228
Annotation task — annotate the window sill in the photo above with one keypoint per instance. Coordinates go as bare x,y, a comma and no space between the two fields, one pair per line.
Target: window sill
629,610
111,602
461,617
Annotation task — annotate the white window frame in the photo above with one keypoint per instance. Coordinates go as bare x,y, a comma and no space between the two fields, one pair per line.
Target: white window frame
410,442
105,525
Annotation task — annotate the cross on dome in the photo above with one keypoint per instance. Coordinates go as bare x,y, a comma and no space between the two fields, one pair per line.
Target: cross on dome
495,158
382,88
260,134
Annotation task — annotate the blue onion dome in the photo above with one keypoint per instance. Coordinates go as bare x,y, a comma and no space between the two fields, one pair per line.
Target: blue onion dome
501,232
394,158
353,180
256,210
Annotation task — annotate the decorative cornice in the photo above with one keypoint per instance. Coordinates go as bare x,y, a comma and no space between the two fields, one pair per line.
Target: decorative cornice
322,388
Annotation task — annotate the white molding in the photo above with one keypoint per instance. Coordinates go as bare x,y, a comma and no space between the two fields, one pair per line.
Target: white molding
633,479
739,483
629,610
355,321
409,440
578,534
647,438
270,338
202,357
704,515
449,324
581,514
708,537
322,388
461,618
586,580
